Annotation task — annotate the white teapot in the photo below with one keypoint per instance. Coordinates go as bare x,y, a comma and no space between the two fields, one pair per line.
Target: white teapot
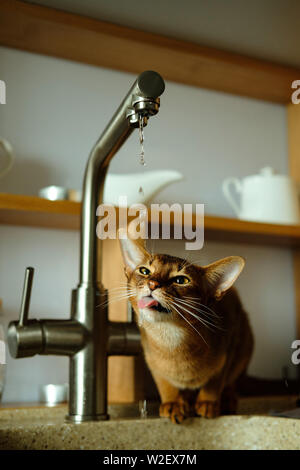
265,197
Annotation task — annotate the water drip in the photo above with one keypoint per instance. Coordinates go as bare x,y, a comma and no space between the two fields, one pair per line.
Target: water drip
141,135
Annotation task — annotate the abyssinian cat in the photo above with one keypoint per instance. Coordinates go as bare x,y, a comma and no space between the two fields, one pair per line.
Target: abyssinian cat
195,333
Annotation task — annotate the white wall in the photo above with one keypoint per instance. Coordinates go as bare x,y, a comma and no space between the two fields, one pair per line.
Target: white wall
54,113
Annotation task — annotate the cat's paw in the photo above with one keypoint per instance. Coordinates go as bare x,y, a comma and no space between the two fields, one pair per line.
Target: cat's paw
176,411
207,409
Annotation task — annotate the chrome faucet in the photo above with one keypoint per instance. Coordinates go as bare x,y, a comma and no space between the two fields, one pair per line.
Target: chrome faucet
88,337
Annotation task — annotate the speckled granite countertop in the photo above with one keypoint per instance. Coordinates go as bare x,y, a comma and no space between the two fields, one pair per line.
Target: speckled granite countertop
44,428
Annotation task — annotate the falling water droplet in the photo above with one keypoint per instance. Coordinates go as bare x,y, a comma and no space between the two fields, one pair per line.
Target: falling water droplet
143,409
141,134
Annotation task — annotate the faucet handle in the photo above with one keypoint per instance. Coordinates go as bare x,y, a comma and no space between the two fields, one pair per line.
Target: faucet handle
26,296
25,337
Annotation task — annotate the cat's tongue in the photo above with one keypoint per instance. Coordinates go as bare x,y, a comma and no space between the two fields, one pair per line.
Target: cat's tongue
147,302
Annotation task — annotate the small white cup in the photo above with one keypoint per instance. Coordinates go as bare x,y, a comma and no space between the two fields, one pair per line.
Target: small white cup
53,394
54,193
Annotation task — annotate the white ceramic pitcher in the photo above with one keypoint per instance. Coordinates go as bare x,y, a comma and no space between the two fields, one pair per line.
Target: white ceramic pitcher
129,185
265,197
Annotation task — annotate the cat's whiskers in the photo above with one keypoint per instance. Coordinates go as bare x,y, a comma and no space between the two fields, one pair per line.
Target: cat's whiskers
198,332
171,304
194,305
119,289
116,299
124,287
196,300
209,320
201,320
205,322
119,293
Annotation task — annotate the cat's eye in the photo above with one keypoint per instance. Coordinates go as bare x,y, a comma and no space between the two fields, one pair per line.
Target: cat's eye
181,280
144,271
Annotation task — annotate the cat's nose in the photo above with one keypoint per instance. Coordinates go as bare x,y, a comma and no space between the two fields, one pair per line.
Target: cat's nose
153,285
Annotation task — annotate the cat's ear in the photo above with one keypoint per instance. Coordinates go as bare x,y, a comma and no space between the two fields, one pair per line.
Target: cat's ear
223,273
133,251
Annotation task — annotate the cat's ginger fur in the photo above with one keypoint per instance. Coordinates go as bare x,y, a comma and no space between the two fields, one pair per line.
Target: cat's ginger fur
181,360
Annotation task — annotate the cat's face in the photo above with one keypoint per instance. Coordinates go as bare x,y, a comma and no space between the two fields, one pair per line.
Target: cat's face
164,288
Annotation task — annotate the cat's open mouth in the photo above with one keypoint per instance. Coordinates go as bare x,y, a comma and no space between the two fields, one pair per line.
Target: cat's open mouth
153,304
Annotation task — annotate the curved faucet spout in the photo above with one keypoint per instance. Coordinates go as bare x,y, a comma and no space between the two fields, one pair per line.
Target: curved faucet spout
88,368
88,337
141,101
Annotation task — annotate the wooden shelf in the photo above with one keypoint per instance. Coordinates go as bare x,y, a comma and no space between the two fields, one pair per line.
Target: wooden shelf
51,32
36,212
33,211
241,231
